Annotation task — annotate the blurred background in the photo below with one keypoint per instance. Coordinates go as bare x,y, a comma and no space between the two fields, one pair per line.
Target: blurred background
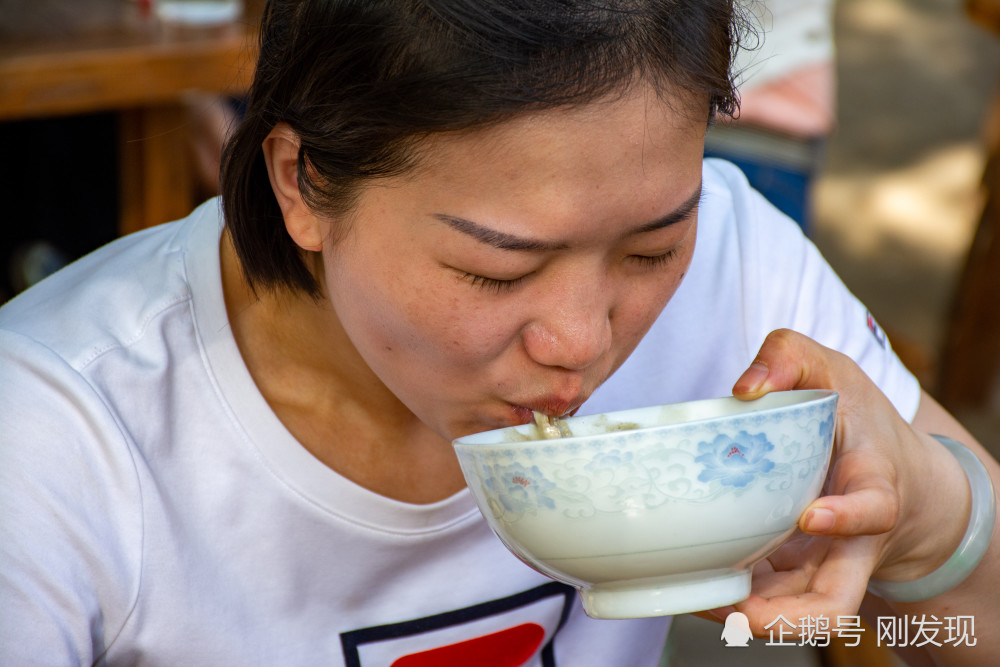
111,117
901,193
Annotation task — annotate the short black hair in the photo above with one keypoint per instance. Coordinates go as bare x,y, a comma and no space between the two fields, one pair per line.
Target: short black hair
362,81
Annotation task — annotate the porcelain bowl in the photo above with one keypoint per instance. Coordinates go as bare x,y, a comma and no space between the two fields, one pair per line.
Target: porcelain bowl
660,510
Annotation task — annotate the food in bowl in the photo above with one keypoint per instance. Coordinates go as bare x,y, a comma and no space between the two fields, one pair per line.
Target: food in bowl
659,510
549,428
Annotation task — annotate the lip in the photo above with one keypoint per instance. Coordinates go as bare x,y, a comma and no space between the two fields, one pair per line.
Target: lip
554,407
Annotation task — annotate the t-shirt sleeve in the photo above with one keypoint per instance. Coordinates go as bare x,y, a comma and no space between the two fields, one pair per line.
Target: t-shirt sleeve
70,513
779,259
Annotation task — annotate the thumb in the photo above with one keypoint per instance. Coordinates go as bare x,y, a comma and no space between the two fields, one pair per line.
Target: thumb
788,360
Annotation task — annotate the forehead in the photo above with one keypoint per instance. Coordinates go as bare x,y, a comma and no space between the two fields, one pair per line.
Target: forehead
639,115
555,174
620,142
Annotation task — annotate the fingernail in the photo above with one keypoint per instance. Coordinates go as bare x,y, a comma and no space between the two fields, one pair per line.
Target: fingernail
753,378
819,520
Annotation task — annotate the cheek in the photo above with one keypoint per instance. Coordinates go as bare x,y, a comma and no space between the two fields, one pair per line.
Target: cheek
454,331
637,313
643,303
417,317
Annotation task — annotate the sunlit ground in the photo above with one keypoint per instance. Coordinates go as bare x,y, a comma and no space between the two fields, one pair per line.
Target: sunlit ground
899,198
898,236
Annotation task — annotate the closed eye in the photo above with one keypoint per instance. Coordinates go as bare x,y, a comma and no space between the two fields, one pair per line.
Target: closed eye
492,285
654,261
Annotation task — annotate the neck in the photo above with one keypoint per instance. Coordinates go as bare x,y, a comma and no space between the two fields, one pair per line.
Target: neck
317,384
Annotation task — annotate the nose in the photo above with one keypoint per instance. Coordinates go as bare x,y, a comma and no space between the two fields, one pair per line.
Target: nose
571,328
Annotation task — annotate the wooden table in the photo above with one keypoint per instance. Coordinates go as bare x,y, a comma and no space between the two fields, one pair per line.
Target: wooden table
60,57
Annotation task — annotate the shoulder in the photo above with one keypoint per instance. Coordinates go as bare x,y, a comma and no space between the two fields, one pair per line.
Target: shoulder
82,357
745,245
783,281
110,296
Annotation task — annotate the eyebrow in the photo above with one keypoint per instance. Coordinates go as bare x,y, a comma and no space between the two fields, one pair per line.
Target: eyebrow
505,241
682,212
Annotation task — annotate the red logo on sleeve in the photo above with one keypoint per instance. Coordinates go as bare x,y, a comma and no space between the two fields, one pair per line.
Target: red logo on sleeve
875,329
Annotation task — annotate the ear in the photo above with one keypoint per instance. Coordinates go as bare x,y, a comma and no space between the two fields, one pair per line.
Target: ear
281,155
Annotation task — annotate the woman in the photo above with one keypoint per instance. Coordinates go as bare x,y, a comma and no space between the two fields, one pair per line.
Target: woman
229,442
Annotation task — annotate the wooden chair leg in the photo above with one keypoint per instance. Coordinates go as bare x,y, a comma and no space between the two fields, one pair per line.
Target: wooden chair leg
970,358
157,181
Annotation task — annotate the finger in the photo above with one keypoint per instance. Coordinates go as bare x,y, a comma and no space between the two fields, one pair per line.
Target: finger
836,588
871,511
789,360
795,553
790,569
769,583
787,571
864,499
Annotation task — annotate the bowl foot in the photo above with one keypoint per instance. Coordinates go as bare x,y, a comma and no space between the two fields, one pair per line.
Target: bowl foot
666,596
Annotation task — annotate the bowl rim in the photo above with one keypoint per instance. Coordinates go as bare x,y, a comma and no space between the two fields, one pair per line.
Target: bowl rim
810,396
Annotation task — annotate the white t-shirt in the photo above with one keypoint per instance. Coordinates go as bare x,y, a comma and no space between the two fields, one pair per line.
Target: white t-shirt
153,510
753,271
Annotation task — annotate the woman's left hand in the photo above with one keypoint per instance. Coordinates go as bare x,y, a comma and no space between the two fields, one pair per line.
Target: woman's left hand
875,517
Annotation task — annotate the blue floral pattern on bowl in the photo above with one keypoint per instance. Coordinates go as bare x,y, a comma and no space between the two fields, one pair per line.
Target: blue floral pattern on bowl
519,489
632,470
734,461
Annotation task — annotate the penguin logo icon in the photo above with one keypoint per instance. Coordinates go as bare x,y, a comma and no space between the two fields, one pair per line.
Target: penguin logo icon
737,630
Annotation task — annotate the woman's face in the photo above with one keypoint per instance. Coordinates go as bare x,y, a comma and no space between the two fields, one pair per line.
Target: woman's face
518,266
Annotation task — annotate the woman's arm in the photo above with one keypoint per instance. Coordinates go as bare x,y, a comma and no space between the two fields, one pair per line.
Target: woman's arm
972,606
71,529
896,506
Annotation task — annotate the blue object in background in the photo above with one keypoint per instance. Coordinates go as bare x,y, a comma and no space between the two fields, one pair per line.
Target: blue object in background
781,168
787,188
